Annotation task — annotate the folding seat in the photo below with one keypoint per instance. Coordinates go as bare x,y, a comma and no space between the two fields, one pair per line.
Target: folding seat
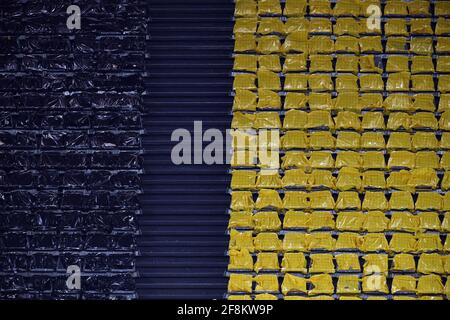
245,100
268,80
321,263
375,200
395,7
443,44
421,45
239,297
295,159
430,284
244,82
321,220
421,26
347,83
270,26
320,101
267,283
245,25
294,139
346,63
442,26
243,179
266,221
295,242
398,121
322,179
376,221
398,102
320,44
428,201
245,62
321,284
427,159
267,241
396,27
404,221
403,284
424,102
269,63
372,140
347,140
319,119
296,42
348,179
246,8
293,262
267,120
399,81
367,63
347,8
320,63
321,160
373,160
320,25
295,200
444,83
265,297
401,159
371,82
431,263
399,180
348,200
429,242
240,260
424,178
401,200
422,64
240,283
350,221
321,200
295,119
403,262
241,219
241,201
402,242
296,220
396,45
295,178
347,26
347,44
297,24
374,242
293,284
399,140
241,240
268,199
268,45
375,264
321,241
295,82
422,82
373,180
375,284
320,82
268,99
295,62
373,120
295,100
269,7
424,140
445,141
348,159
267,261
370,44
322,140
347,262
348,241
397,63
295,8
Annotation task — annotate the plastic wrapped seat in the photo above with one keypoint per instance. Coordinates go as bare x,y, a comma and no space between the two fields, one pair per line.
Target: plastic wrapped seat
422,82
446,223
429,201
320,82
444,83
320,63
348,159
375,284
321,284
399,140
267,261
296,42
404,221
295,119
245,62
401,159
321,241
445,161
246,8
424,140
399,81
245,25
346,63
347,120
244,42
372,140
321,263
268,45
320,44
294,262
244,81
242,179
269,63
403,262
373,180
270,25
348,140
396,44
375,264
349,178
371,82
267,283
348,241
295,178
373,160
376,221
396,27
396,7
397,64
319,220
295,200
295,242
320,25
321,140
399,180
370,44
421,26
269,80
430,284
402,242
295,82
347,262
321,200
266,221
268,199
321,160
348,284
294,62
241,219
240,260
424,102
367,63
319,119
421,45
445,141
320,101
241,201
295,159
398,102
245,100
244,140
401,200
347,44
296,220
350,221
443,64
293,284
431,263
321,179
240,283
241,241
347,26
348,200
294,139
375,200
295,8
295,100
267,241
443,44
269,7
427,159
421,64
403,284
374,242
267,120
442,26
268,99
423,177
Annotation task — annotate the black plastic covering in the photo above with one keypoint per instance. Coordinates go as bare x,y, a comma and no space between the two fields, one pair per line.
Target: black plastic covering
70,147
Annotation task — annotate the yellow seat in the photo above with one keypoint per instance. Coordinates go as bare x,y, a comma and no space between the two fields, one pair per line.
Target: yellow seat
295,62
266,297
428,242
268,45
348,284
321,241
376,221
396,7
295,178
268,179
398,102
319,119
241,240
295,242
241,219
295,160
243,179
246,8
403,284
240,260
321,140
422,82
422,64
430,284
401,159
348,120
421,26
404,221
397,64
348,159
443,64
350,221
295,119
322,179
244,82
267,261
295,8
293,284
373,120
321,263
347,44
245,42
245,100
372,141
293,262
346,63
401,200
321,200
295,100
431,263
371,82
443,44
268,199
370,44
374,200
427,159
240,283
442,26
419,7
320,101
375,284
347,26
347,140
295,200
267,283
245,62
245,25
348,241
428,201
429,221
375,264
346,101
367,63
321,284
399,140
374,242
347,262
421,45
296,220
403,262
268,99
269,7
267,241
373,179
396,45
266,221
270,25
373,160
348,200
348,179
295,42
399,81
320,63
424,102
402,242
320,82
446,222
242,201
399,180
399,120
423,177
321,160
295,82
396,27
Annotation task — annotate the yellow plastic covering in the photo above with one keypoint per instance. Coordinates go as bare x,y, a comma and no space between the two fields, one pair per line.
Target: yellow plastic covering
321,160
267,120
430,284
266,221
244,81
294,140
428,201
374,200
320,62
374,179
398,102
347,44
445,140
401,159
296,24
321,263
401,200
421,82
399,120
295,159
294,8
427,159
373,160
269,63
245,25
241,201
240,283
294,262
349,178
421,26
396,7
321,241
348,140
268,199
294,62
242,179
320,44
396,27
421,64
375,283
444,83
424,140
347,8
400,180
347,120
399,140
445,161
295,82
372,140
266,283
348,200
295,178
245,62
321,140
441,8
348,284
269,80
244,42
397,64
375,264
396,45
348,262
348,159
321,284
321,200
268,45
270,25
442,26
446,223
295,200
241,219
269,7
295,100
246,8
269,179
267,241
296,42
443,44
402,242
403,262
350,221
371,82
428,242
424,177
348,241
321,179
267,261
399,81
404,221
422,46
374,242
319,119
320,82
403,284
346,63
268,99
424,102
296,220
320,25
367,64
240,260
443,64
370,44
245,100
241,240
429,220
347,26
430,263
295,119
320,101
293,284
295,242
